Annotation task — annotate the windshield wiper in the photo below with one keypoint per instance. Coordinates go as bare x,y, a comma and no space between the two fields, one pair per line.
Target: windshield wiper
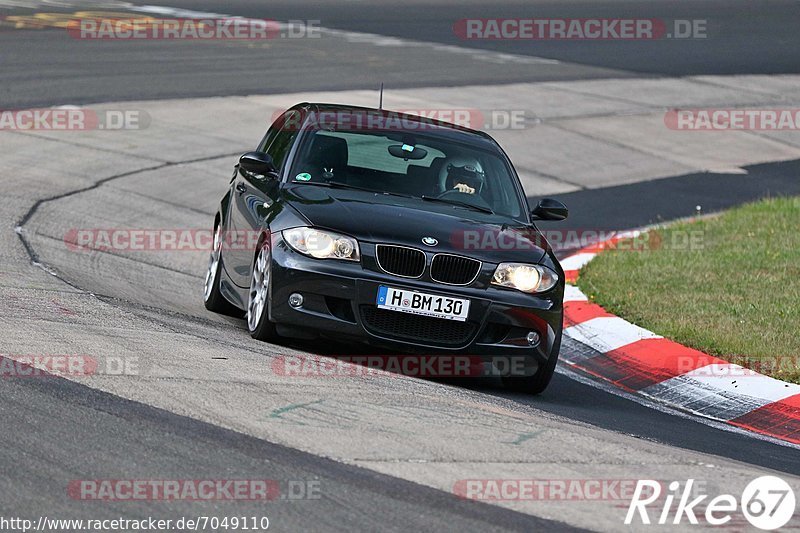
341,185
460,204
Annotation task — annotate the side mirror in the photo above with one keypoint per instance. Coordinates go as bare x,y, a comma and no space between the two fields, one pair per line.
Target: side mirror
259,163
549,209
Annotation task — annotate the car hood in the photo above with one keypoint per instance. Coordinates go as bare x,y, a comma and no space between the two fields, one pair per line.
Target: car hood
381,218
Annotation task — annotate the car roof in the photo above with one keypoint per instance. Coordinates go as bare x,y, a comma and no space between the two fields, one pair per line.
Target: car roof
441,128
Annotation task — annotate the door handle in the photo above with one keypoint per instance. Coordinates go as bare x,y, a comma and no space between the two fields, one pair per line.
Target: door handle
241,187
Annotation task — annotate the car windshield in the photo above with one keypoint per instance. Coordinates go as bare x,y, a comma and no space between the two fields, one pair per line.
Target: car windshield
422,165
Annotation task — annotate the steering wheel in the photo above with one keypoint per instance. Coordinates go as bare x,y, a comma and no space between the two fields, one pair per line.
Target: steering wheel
474,199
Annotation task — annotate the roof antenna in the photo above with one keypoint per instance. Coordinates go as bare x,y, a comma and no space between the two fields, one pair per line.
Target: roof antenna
380,104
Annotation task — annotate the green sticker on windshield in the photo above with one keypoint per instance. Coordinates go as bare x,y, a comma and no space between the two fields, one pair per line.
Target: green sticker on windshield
305,176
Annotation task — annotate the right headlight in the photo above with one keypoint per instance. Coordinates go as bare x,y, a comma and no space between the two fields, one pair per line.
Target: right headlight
524,277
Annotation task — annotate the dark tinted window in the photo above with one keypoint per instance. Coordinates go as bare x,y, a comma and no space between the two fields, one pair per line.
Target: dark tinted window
270,136
281,136
448,169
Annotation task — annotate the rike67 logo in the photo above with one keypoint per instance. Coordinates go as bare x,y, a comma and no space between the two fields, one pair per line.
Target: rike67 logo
767,502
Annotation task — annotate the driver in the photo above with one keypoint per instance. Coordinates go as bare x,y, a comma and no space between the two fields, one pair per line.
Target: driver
464,175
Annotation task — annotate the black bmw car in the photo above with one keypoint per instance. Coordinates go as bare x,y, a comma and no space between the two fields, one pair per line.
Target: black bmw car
403,232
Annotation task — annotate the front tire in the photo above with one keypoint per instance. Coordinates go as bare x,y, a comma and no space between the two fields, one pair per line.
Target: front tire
538,382
258,323
212,297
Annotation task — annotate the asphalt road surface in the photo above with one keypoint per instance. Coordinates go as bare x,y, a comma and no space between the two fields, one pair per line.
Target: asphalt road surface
46,66
98,433
208,407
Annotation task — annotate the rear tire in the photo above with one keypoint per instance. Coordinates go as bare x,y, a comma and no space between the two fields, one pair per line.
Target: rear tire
258,323
538,382
212,297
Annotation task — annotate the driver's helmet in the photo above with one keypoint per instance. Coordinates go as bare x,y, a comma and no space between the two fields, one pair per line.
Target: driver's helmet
464,170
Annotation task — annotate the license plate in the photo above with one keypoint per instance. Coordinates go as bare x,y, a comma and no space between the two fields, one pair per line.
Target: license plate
419,303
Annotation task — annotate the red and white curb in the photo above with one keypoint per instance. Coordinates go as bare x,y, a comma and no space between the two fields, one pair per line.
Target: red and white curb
642,362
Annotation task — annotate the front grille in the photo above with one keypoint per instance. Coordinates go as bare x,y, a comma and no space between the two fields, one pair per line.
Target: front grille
454,269
401,261
416,328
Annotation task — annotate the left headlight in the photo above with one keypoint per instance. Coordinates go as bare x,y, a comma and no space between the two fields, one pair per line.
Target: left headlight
525,278
322,244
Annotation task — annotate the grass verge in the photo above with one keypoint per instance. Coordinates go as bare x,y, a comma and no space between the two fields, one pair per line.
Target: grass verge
727,285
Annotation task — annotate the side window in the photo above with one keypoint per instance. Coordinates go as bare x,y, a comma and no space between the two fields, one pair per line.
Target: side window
281,136
270,136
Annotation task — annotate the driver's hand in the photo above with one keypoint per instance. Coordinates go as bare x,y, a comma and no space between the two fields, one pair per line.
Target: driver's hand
463,187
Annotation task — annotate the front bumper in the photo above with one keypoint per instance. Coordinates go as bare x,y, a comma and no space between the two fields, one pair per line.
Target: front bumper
339,301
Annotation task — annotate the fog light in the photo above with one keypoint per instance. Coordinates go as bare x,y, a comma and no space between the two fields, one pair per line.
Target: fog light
296,300
532,338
